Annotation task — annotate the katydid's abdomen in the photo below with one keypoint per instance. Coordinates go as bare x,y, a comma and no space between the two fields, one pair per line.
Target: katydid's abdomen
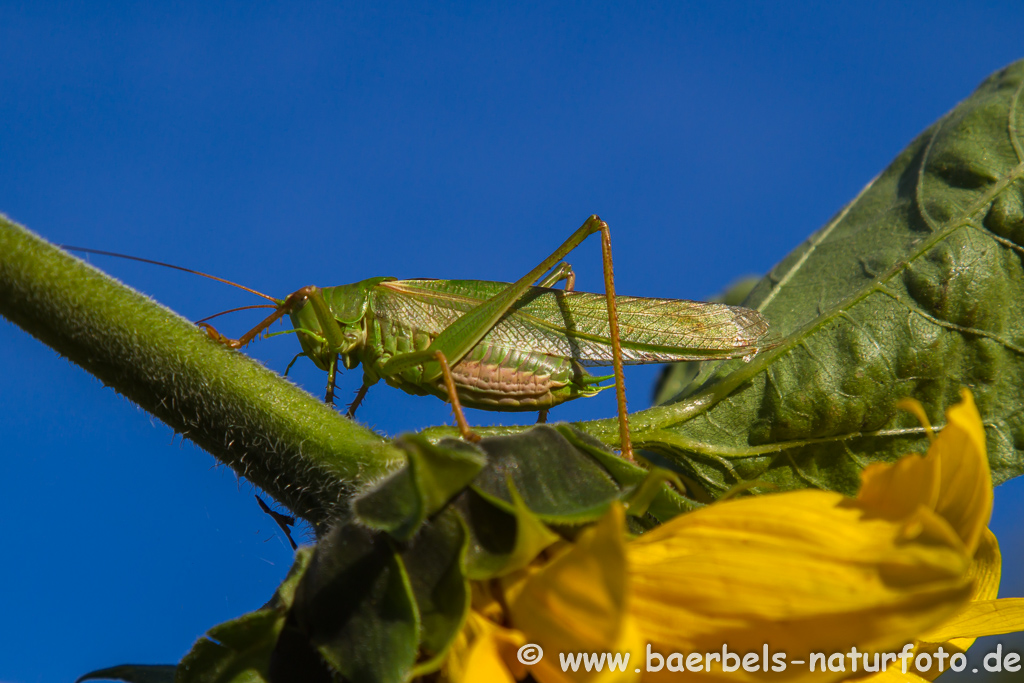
491,376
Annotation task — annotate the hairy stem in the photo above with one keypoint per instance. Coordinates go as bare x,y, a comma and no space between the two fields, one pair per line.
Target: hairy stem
276,435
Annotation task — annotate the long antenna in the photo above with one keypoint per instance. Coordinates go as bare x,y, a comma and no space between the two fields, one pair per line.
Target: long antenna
234,310
168,265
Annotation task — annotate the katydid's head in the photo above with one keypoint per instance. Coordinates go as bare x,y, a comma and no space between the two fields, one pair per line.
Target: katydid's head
329,321
332,321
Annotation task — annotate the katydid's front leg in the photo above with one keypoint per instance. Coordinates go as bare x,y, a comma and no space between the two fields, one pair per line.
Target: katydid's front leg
287,306
466,332
330,332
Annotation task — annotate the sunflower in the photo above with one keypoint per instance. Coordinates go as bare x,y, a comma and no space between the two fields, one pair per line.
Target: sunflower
799,586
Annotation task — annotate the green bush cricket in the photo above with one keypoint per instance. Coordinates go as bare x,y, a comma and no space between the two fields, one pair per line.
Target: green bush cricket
499,346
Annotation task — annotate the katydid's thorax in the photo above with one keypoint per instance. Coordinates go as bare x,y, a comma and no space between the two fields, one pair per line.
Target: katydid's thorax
347,307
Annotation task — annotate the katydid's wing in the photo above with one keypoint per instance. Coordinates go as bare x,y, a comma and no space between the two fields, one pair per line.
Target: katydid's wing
575,324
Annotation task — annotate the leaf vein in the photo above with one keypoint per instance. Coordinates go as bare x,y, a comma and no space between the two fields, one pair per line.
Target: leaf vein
814,241
951,326
1015,138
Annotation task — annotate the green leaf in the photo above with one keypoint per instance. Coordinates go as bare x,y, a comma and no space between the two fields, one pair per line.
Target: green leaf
434,473
500,541
240,651
356,607
434,561
916,288
237,651
532,535
548,475
662,502
134,673
441,471
492,534
558,482
284,597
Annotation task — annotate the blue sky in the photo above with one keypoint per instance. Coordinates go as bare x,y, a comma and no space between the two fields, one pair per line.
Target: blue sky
282,145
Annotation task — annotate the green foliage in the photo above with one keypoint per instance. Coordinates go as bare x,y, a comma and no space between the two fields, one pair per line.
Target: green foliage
433,476
238,651
382,604
134,673
916,288
356,608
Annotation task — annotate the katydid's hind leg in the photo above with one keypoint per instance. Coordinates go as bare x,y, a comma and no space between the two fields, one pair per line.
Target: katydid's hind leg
456,340
563,272
613,323
453,397
542,417
360,395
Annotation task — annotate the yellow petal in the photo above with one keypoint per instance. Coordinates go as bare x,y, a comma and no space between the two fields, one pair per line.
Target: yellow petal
805,571
577,602
966,497
628,652
893,491
481,653
984,572
912,405
982,618
953,479
485,663
986,568
893,675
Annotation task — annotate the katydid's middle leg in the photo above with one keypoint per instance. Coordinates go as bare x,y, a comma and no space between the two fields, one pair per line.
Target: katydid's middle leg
332,377
563,272
360,395
453,396
286,522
